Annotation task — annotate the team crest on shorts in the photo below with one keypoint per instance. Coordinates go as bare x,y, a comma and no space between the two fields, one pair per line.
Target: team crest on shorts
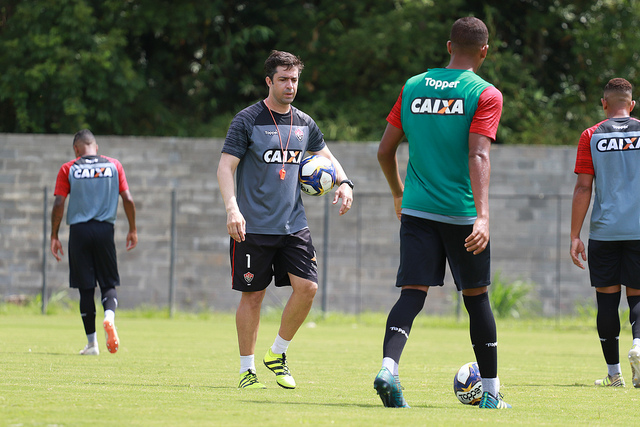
248,277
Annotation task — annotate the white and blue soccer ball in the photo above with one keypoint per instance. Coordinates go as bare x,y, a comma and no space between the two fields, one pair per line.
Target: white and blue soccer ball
467,384
317,175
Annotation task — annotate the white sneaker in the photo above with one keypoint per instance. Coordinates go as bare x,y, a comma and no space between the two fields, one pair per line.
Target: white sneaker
634,360
90,350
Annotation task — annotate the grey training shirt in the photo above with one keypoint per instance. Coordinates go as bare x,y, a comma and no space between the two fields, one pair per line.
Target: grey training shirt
271,205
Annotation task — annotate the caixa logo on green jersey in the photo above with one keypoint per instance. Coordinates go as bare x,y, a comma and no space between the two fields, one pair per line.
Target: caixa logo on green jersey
282,156
618,144
94,172
446,107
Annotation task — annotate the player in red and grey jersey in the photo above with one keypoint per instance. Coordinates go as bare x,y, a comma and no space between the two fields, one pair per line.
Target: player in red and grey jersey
609,157
93,184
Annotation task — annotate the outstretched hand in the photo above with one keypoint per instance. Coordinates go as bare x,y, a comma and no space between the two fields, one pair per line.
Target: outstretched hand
236,225
132,239
56,248
478,240
345,193
577,251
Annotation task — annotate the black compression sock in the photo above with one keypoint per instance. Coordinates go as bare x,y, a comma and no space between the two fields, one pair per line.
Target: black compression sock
634,315
109,299
608,322
482,328
88,310
400,320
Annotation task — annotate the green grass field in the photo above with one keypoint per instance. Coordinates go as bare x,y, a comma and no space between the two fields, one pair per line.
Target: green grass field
184,371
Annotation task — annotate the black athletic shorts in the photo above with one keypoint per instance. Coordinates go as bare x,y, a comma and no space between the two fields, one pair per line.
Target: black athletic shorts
92,255
425,248
614,263
261,257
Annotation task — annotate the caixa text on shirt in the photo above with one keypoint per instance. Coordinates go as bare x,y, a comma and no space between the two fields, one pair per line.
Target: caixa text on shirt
438,106
618,144
82,173
283,156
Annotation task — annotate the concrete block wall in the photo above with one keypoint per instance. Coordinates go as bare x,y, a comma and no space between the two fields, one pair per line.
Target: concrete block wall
531,191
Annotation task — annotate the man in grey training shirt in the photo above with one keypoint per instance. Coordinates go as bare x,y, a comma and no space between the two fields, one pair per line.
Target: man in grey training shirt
265,215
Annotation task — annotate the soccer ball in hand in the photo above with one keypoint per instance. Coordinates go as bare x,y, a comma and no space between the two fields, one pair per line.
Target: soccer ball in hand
467,384
317,175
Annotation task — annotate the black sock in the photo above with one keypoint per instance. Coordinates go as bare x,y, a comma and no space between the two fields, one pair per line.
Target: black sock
109,299
88,310
634,315
608,322
400,320
482,328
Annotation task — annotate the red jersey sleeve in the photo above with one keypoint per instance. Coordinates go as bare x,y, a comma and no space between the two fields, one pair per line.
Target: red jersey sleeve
487,117
123,185
584,161
62,181
394,117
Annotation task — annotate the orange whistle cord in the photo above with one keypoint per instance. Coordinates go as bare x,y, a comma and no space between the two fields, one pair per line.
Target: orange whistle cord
282,172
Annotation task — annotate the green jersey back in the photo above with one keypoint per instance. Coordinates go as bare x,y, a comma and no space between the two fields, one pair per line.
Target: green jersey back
437,109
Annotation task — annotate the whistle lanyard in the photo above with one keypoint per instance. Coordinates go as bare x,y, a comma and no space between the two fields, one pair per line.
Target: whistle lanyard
282,172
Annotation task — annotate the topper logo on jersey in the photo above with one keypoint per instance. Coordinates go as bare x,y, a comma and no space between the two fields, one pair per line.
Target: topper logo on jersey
93,173
283,156
447,107
618,144
440,84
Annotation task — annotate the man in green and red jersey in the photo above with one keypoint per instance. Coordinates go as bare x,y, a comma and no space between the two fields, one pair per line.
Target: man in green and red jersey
93,184
450,117
609,156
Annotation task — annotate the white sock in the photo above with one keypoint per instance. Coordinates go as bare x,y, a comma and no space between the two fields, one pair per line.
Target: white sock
636,342
109,315
280,345
247,362
614,369
492,385
92,339
391,365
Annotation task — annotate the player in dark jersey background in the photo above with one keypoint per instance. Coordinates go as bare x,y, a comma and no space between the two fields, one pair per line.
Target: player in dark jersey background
93,184
609,157
265,215
450,117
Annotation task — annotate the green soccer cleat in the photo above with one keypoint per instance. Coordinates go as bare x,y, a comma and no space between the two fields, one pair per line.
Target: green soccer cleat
611,381
634,359
277,363
249,379
389,389
488,401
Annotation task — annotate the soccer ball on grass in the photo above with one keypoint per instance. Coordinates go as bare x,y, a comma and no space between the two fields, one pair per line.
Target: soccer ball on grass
317,175
467,384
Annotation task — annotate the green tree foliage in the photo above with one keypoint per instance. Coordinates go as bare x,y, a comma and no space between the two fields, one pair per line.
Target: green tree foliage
64,67
157,67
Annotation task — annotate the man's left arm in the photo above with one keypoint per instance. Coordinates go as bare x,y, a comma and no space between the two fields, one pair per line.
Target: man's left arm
479,174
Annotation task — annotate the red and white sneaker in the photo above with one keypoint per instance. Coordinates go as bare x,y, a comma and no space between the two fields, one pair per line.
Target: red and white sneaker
112,336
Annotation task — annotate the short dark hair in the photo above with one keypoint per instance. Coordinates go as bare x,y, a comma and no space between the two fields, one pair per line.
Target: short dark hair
469,34
285,59
619,85
84,136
